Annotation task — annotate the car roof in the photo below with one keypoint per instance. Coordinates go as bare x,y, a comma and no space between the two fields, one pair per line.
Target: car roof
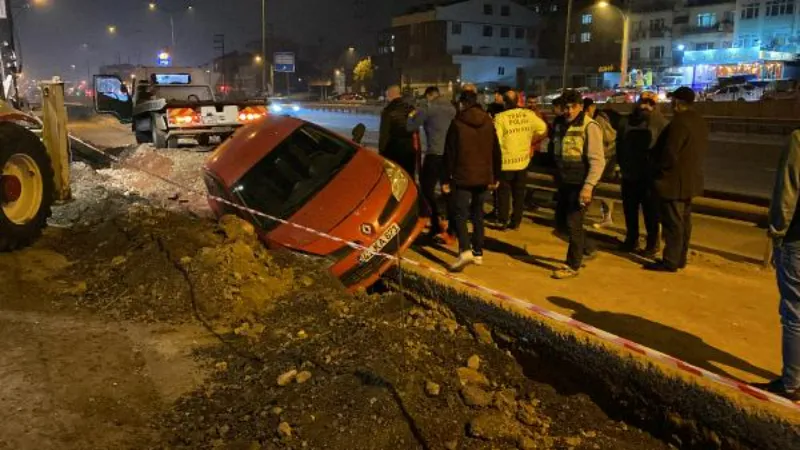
249,145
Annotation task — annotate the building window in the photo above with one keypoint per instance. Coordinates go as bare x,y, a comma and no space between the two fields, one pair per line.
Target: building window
656,24
636,53
586,36
779,7
505,10
572,38
455,28
726,44
706,20
505,32
554,8
504,52
538,9
728,17
519,33
586,19
487,9
488,30
657,52
750,11
501,70
704,46
466,49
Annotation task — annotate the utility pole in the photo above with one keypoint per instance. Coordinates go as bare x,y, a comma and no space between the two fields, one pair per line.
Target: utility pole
219,44
566,47
264,47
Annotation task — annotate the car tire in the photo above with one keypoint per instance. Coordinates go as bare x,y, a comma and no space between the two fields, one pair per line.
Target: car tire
21,150
741,99
143,137
159,137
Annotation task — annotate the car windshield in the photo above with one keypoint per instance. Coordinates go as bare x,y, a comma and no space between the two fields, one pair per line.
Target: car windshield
293,173
184,93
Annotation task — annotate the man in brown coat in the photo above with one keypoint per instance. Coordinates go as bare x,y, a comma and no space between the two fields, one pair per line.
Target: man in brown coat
679,155
472,165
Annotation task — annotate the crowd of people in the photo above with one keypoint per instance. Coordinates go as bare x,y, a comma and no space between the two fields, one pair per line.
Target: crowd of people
475,152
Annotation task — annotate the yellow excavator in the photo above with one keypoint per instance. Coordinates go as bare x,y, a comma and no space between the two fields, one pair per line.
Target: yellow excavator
34,166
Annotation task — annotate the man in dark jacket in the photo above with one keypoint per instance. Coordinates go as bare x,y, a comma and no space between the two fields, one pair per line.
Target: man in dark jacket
784,229
472,167
435,116
638,134
396,142
557,130
580,162
679,155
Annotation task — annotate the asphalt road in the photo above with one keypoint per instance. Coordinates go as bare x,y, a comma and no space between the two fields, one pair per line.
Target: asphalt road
736,163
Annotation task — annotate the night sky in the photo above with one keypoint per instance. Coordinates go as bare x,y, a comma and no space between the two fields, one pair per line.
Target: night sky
52,36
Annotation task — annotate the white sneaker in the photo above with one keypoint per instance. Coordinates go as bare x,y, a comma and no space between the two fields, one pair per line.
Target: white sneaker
464,259
478,260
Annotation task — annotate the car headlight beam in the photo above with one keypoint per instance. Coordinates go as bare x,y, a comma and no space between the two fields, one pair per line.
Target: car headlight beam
397,178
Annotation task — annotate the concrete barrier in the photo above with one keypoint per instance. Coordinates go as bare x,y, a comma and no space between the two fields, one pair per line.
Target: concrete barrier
686,411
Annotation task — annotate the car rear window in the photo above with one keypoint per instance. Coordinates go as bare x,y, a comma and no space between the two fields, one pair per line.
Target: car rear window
292,173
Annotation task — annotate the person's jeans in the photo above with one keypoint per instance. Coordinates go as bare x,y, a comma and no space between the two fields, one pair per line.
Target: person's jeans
787,270
579,242
511,197
638,194
467,203
676,219
428,179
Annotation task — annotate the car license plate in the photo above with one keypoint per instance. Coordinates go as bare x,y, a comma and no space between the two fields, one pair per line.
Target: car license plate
380,243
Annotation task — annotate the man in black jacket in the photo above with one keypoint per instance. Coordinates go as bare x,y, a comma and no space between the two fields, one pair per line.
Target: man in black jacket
638,134
396,141
678,156
472,165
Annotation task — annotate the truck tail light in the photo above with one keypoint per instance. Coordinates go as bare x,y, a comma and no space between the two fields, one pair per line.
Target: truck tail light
251,113
183,116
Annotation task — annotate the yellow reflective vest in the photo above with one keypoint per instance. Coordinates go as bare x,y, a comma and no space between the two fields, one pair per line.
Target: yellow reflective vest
517,129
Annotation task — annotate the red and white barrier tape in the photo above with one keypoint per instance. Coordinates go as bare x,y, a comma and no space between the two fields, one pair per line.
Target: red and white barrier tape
543,312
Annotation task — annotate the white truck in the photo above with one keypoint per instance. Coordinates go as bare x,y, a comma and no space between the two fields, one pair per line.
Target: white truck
171,106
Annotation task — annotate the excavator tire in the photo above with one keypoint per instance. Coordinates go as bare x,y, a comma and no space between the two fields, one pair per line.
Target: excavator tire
27,187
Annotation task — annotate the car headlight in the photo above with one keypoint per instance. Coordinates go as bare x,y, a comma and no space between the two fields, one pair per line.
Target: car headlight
276,108
397,178
295,108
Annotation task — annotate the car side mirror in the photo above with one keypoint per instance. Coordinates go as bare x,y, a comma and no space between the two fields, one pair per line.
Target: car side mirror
358,133
111,97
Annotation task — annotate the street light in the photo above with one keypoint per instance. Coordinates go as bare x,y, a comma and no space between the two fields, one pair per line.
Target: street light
626,24
112,29
258,59
152,6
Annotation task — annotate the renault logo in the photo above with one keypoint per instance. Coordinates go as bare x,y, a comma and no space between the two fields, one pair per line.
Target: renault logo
366,229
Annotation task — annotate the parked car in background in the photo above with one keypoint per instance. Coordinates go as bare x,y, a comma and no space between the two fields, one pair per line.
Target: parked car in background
735,93
622,96
349,98
296,171
782,90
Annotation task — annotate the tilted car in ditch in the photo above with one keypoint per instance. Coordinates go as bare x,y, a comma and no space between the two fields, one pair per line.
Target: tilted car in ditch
296,171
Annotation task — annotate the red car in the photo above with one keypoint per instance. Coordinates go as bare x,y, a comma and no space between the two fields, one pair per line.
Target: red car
294,170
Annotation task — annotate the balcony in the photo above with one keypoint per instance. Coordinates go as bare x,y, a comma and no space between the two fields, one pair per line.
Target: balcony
658,33
720,27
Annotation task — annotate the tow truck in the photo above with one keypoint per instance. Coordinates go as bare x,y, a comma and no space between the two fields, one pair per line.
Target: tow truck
171,106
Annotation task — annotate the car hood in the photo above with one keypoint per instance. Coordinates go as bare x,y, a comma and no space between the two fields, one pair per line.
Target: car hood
344,196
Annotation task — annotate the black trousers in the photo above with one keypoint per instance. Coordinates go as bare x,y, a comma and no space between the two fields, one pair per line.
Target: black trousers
676,219
511,197
579,242
428,179
640,195
467,203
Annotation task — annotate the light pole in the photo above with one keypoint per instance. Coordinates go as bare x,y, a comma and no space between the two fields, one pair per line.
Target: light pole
152,6
626,24
264,45
566,47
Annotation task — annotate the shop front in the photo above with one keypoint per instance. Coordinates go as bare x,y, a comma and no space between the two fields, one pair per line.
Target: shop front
751,64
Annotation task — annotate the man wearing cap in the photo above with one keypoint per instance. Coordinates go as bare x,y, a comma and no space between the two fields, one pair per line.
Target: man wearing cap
580,162
678,165
637,137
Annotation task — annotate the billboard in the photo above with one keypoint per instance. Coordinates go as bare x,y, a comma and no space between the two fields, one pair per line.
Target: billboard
284,62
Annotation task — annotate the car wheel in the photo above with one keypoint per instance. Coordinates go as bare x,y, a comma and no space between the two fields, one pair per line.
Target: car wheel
741,99
159,137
